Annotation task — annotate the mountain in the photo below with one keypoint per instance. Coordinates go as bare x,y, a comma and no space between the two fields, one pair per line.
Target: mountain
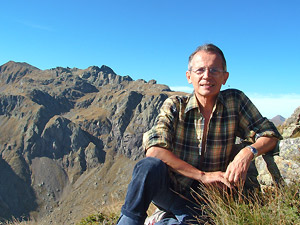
62,126
278,120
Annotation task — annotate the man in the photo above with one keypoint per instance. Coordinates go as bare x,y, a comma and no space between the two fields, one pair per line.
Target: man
193,142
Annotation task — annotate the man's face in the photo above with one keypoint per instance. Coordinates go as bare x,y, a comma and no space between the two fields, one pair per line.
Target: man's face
207,84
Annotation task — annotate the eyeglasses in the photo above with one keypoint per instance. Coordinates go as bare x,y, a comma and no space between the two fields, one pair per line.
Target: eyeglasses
212,71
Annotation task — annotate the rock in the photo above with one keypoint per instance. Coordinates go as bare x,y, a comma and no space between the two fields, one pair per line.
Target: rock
281,167
291,127
152,82
93,156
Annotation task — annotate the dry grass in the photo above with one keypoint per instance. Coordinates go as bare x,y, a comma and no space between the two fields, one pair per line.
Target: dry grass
15,221
274,206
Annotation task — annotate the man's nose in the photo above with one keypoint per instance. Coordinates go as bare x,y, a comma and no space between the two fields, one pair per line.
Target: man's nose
206,73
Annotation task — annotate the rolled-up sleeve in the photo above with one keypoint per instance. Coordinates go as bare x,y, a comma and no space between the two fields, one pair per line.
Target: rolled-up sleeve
162,133
252,124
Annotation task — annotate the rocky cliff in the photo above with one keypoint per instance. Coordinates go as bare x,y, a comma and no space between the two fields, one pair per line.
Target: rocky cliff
71,137
59,125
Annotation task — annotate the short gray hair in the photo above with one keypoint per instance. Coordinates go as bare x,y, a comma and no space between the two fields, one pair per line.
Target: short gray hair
208,48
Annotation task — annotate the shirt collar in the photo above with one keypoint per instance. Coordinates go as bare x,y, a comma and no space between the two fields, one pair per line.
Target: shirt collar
193,104
221,98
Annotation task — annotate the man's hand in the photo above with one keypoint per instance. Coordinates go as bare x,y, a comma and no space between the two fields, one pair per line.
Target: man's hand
237,170
216,179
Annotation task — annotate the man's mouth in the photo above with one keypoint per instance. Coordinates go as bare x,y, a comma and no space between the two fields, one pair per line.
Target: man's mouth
206,85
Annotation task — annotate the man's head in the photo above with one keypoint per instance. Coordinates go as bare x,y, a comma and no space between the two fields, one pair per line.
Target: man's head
207,72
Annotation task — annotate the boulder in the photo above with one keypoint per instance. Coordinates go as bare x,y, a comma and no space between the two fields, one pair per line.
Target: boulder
280,167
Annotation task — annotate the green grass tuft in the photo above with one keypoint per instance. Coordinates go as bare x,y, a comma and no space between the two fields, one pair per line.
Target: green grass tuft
100,218
273,206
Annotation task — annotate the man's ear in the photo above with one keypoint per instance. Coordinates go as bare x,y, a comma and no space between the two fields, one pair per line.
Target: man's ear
226,75
188,76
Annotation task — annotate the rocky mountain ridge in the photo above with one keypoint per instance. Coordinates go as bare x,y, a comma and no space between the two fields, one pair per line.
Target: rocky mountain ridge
58,124
70,138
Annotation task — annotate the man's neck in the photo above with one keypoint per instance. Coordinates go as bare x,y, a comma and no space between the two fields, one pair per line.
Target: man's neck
206,105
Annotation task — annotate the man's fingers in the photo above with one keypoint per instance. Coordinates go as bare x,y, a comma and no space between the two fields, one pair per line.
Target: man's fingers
229,175
234,178
227,183
234,175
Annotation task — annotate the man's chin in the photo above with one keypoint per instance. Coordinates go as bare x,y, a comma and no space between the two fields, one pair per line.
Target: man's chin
207,93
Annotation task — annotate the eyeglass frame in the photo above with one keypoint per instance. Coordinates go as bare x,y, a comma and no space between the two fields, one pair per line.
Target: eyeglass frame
213,71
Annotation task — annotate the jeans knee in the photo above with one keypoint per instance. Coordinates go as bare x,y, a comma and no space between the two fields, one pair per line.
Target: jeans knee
151,166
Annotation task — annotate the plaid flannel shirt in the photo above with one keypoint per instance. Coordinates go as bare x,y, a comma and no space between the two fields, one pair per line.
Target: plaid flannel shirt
179,128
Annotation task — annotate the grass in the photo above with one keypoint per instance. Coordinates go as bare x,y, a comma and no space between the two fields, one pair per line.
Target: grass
108,216
100,218
273,206
15,221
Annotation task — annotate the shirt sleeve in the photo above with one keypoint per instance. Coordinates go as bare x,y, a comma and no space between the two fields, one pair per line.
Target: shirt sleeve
252,124
162,133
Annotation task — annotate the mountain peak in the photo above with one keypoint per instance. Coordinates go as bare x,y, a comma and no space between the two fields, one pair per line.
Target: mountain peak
16,65
105,69
13,71
278,120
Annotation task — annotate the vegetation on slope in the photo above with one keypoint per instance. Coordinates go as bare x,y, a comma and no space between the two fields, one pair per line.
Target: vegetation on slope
273,206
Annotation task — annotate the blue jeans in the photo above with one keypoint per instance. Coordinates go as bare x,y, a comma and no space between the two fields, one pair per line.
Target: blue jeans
151,183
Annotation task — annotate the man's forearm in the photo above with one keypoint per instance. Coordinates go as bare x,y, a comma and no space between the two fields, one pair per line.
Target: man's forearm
174,162
186,169
265,144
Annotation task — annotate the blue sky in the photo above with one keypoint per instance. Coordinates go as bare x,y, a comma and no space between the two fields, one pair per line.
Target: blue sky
153,39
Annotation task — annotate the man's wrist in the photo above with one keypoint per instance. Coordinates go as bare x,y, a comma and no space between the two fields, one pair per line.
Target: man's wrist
253,151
